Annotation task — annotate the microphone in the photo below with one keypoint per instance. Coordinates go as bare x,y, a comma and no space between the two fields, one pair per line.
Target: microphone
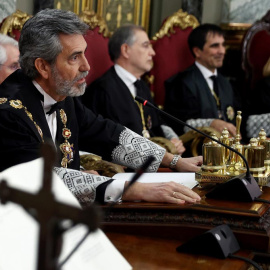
241,188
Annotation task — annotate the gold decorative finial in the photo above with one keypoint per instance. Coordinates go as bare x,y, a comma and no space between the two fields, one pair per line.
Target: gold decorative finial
253,142
262,135
15,21
180,19
238,122
94,20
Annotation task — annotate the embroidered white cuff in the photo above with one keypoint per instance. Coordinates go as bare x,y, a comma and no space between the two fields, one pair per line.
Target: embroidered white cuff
200,122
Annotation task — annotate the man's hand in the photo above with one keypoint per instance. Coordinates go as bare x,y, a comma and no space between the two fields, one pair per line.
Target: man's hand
178,145
189,164
219,125
170,192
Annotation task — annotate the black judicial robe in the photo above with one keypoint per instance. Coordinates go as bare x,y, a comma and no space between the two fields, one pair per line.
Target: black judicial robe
20,140
188,97
110,97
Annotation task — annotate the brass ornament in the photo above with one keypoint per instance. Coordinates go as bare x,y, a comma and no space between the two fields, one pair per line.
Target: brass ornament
220,164
179,19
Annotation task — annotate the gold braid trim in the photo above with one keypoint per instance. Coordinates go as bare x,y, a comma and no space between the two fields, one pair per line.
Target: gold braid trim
180,19
17,104
94,20
14,21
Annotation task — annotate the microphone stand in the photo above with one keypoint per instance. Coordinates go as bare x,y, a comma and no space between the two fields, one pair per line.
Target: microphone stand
232,188
48,212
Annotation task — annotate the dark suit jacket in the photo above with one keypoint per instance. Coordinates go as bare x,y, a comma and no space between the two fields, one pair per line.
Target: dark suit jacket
110,97
188,97
20,140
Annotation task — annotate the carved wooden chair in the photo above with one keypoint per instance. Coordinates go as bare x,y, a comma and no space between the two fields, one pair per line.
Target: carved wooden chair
256,50
172,52
12,25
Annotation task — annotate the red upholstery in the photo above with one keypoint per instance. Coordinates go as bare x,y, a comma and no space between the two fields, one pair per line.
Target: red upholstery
172,56
256,49
172,52
97,54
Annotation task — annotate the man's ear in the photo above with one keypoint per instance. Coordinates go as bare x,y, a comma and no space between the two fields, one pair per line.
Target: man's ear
197,51
125,50
43,67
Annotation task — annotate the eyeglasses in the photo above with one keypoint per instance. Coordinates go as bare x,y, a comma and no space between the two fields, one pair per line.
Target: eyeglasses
13,66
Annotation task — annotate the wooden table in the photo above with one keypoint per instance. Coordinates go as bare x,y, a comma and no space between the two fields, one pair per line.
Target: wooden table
250,221
153,253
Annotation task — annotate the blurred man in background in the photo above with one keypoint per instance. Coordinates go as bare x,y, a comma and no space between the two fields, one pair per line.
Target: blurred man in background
9,56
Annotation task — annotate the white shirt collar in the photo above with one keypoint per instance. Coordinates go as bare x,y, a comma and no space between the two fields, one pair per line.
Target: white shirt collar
125,76
48,100
205,71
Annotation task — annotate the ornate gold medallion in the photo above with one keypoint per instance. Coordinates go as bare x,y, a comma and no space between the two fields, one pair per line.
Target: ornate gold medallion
66,148
230,113
3,100
17,104
66,133
63,117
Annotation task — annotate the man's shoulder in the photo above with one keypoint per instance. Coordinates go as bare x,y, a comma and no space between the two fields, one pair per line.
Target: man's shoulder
13,85
11,108
104,80
187,76
188,72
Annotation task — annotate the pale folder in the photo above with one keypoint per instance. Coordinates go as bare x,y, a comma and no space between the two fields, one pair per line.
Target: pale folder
186,179
19,231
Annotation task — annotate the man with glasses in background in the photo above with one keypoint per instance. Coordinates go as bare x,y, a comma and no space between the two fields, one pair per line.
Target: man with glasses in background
9,56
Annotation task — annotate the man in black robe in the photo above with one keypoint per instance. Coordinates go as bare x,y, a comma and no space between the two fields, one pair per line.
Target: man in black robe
112,95
39,102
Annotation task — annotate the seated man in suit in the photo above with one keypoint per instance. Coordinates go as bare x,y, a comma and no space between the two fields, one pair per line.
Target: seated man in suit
200,95
9,56
112,95
40,102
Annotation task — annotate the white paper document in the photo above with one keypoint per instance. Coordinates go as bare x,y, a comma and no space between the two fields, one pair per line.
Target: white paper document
19,231
186,179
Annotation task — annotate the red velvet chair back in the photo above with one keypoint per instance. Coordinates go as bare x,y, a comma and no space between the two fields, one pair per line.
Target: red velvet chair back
256,49
97,45
172,51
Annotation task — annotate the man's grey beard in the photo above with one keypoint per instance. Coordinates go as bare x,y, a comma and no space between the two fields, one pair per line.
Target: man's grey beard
68,88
